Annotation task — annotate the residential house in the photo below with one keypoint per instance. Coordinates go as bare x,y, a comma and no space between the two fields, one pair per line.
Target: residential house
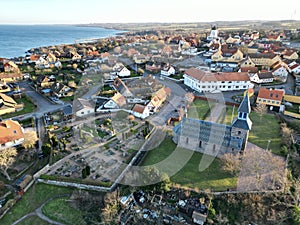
213,138
83,107
167,70
4,88
290,54
276,36
7,104
158,98
10,77
203,81
45,81
33,58
265,60
75,56
262,77
121,87
236,39
60,90
51,58
294,68
140,111
140,58
42,63
11,67
270,97
198,217
116,102
153,67
227,53
123,72
247,62
11,134
280,72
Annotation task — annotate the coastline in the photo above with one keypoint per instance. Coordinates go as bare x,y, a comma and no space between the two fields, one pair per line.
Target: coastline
45,36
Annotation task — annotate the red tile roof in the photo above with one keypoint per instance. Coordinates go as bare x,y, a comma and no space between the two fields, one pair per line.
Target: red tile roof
208,76
10,131
249,69
271,94
138,108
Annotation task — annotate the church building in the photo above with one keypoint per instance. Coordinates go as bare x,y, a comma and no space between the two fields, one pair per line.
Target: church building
212,138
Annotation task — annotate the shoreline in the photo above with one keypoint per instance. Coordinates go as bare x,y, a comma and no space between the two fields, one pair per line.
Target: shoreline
79,40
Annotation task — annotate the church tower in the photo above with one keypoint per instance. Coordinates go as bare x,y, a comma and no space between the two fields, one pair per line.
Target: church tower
213,34
242,124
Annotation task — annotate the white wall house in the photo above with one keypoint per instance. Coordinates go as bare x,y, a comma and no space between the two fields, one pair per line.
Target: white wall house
167,71
295,68
140,111
83,107
262,78
203,81
123,72
280,72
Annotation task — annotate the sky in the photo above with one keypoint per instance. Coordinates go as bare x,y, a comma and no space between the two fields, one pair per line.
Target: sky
129,11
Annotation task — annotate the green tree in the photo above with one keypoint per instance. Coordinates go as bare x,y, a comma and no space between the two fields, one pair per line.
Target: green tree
46,148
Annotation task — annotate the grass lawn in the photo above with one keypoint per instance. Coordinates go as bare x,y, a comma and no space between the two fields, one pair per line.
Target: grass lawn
68,99
200,109
265,128
33,220
60,210
228,117
29,107
31,200
189,176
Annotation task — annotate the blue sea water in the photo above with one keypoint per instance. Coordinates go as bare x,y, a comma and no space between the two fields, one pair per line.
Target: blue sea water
15,40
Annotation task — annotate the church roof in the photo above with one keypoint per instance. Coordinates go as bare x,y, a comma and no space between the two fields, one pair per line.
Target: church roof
242,124
210,132
245,105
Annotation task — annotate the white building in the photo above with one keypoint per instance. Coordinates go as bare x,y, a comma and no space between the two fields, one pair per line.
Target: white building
123,72
203,81
280,72
167,71
83,107
295,68
262,77
140,111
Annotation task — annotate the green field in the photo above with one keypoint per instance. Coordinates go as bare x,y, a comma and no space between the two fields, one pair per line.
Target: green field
200,109
33,220
213,177
265,128
60,210
31,200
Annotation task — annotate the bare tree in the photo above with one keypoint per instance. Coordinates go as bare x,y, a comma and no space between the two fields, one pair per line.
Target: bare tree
231,163
7,158
30,138
261,170
261,109
286,135
110,209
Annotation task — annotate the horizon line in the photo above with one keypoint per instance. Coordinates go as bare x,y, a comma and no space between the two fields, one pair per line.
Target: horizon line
153,22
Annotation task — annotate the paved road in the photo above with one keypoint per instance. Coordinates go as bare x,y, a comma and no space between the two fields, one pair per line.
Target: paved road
43,104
